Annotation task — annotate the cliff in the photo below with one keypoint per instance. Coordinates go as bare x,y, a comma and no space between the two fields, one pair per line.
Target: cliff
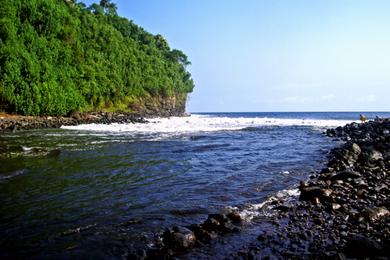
160,106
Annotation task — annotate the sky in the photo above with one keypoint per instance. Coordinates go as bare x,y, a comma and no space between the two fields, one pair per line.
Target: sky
276,55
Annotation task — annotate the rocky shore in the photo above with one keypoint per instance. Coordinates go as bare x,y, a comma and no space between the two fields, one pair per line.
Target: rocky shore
342,212
12,123
144,107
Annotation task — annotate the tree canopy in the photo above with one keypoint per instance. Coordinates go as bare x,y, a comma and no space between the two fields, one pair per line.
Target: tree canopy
59,56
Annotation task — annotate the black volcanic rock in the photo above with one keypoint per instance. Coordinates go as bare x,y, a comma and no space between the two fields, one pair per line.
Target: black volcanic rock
343,211
179,239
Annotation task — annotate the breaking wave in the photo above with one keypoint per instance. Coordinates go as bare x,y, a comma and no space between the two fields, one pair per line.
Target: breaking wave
205,123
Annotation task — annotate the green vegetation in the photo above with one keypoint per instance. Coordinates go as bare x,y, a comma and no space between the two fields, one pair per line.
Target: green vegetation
59,56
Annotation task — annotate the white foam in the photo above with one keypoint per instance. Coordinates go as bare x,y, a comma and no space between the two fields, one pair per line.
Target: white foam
287,193
27,149
204,123
262,209
14,174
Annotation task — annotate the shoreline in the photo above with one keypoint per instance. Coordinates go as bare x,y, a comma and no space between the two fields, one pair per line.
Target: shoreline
12,123
343,211
333,213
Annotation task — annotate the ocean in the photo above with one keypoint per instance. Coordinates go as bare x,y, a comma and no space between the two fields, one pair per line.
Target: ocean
97,191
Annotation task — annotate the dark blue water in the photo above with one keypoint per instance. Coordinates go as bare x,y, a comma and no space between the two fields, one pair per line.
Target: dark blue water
306,115
68,193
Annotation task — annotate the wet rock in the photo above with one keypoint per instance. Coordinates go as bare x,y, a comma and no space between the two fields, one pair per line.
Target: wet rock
179,238
373,214
361,246
355,148
375,156
222,218
311,193
212,224
282,208
345,175
13,128
235,217
219,223
336,206
228,227
201,234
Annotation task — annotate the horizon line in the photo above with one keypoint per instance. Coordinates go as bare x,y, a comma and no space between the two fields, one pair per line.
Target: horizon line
357,111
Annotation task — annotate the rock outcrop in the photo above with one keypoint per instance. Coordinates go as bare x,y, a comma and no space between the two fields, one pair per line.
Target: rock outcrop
142,108
12,123
160,106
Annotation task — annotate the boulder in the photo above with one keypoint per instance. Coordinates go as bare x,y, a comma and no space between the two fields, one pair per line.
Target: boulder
375,156
311,193
212,224
355,148
179,239
235,217
220,223
345,175
201,234
373,214
220,217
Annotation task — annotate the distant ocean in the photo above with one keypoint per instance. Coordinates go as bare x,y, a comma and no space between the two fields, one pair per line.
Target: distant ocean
96,190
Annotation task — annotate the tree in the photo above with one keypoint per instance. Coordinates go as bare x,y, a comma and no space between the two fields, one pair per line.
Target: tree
57,57
70,2
109,7
96,9
179,56
161,43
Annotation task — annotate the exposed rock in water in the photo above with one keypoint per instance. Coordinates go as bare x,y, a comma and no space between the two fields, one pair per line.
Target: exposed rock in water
234,217
310,193
179,238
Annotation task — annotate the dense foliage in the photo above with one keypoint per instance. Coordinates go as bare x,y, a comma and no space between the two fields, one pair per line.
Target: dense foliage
59,56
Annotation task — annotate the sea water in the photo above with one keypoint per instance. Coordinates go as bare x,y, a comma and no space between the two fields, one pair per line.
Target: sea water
99,190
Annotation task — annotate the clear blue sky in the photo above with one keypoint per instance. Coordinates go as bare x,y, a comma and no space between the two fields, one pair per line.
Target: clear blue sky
277,55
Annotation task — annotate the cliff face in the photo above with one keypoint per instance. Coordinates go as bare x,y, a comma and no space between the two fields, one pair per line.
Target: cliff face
160,106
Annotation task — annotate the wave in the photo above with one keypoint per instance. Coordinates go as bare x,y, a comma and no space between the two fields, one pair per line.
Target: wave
204,123
12,175
252,211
